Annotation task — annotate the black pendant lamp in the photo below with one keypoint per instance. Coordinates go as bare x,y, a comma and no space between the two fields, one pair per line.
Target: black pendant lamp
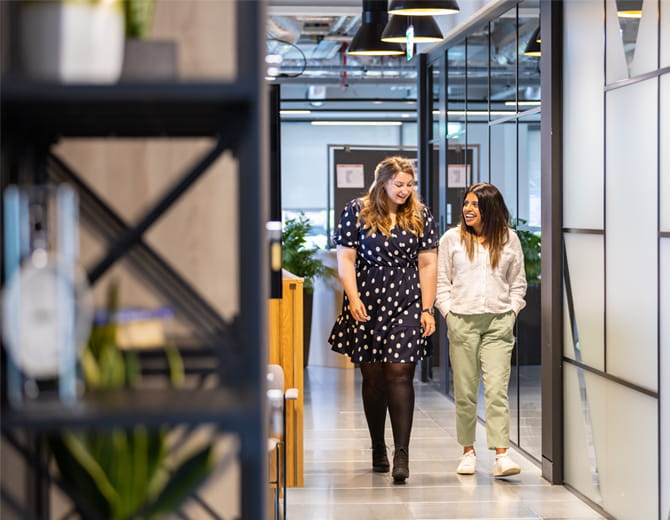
423,7
533,46
367,40
426,29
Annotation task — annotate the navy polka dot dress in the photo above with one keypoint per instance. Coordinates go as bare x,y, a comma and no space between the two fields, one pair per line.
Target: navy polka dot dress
387,275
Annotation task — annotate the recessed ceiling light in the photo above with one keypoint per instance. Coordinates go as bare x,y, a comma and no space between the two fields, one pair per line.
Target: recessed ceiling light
357,123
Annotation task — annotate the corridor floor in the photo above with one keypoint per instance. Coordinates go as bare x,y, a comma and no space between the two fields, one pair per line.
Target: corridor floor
339,482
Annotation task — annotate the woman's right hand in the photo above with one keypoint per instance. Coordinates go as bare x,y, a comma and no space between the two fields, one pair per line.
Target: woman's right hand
357,310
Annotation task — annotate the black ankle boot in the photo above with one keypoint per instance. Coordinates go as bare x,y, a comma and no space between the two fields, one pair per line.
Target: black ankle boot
400,464
380,462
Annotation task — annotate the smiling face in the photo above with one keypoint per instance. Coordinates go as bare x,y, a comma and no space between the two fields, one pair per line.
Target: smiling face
471,213
398,189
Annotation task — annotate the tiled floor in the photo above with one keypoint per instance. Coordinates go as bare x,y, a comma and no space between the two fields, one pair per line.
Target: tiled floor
339,483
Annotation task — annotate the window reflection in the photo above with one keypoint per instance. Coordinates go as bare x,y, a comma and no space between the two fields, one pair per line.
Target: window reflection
493,130
629,13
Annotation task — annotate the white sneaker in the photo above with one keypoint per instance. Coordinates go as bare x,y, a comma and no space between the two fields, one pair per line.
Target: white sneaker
468,463
505,466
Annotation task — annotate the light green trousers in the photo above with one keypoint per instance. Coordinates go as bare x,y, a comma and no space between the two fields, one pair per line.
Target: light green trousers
481,344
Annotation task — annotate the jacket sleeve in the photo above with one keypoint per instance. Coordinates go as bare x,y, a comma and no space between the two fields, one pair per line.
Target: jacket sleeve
516,275
444,270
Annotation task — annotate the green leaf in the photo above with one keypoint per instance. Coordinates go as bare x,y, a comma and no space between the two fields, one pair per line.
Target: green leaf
90,369
139,477
185,479
80,481
112,368
101,445
121,469
531,245
157,453
133,368
79,452
138,17
176,365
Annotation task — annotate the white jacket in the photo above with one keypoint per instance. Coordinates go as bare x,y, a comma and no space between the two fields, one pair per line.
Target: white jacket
466,287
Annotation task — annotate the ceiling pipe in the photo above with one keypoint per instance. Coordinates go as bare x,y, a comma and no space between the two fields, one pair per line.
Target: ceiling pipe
284,29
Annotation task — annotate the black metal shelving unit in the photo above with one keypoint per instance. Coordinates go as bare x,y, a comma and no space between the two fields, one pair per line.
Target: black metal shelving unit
36,115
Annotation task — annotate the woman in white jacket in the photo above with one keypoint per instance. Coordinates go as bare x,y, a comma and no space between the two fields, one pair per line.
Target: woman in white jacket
481,285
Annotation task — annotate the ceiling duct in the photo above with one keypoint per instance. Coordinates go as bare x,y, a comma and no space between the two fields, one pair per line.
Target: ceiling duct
284,28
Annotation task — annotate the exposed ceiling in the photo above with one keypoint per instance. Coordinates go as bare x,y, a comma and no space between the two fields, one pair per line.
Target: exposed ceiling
312,36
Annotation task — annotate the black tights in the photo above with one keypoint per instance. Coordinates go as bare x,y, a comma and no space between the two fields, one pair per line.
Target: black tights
388,385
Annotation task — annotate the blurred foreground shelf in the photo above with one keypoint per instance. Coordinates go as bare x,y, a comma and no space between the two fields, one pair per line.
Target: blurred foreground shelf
176,109
228,408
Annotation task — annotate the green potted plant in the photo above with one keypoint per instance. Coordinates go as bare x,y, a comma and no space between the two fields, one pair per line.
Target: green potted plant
301,260
125,473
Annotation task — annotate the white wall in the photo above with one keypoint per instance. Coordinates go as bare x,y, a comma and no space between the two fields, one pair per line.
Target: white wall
304,156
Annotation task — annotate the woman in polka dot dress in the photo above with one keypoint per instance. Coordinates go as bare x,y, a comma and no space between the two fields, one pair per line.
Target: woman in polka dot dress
387,261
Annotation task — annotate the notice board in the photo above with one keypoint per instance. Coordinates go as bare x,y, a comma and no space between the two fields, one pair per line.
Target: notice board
353,171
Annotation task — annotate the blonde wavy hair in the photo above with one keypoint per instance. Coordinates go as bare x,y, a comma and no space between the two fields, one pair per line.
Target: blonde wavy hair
374,215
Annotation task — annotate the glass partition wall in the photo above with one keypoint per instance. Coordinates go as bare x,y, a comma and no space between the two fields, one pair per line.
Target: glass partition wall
486,128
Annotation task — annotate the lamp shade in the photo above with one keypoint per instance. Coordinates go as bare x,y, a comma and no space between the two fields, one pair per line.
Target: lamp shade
367,40
533,47
426,29
423,7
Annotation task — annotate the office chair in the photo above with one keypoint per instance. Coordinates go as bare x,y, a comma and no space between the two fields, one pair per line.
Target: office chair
277,397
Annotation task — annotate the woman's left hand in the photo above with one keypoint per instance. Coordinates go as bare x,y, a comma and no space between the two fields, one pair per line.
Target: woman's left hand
427,324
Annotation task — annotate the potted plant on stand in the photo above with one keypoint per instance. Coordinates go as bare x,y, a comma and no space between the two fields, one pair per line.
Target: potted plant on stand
125,473
301,260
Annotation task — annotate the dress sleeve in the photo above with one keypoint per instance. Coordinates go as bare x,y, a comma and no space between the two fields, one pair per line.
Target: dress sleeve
429,238
346,233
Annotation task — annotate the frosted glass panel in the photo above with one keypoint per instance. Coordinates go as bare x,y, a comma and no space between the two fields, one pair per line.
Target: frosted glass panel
631,236
616,66
665,375
578,437
583,116
664,151
613,420
646,47
627,439
586,264
665,33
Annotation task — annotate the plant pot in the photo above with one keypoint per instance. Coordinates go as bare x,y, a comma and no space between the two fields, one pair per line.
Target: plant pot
147,59
72,42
